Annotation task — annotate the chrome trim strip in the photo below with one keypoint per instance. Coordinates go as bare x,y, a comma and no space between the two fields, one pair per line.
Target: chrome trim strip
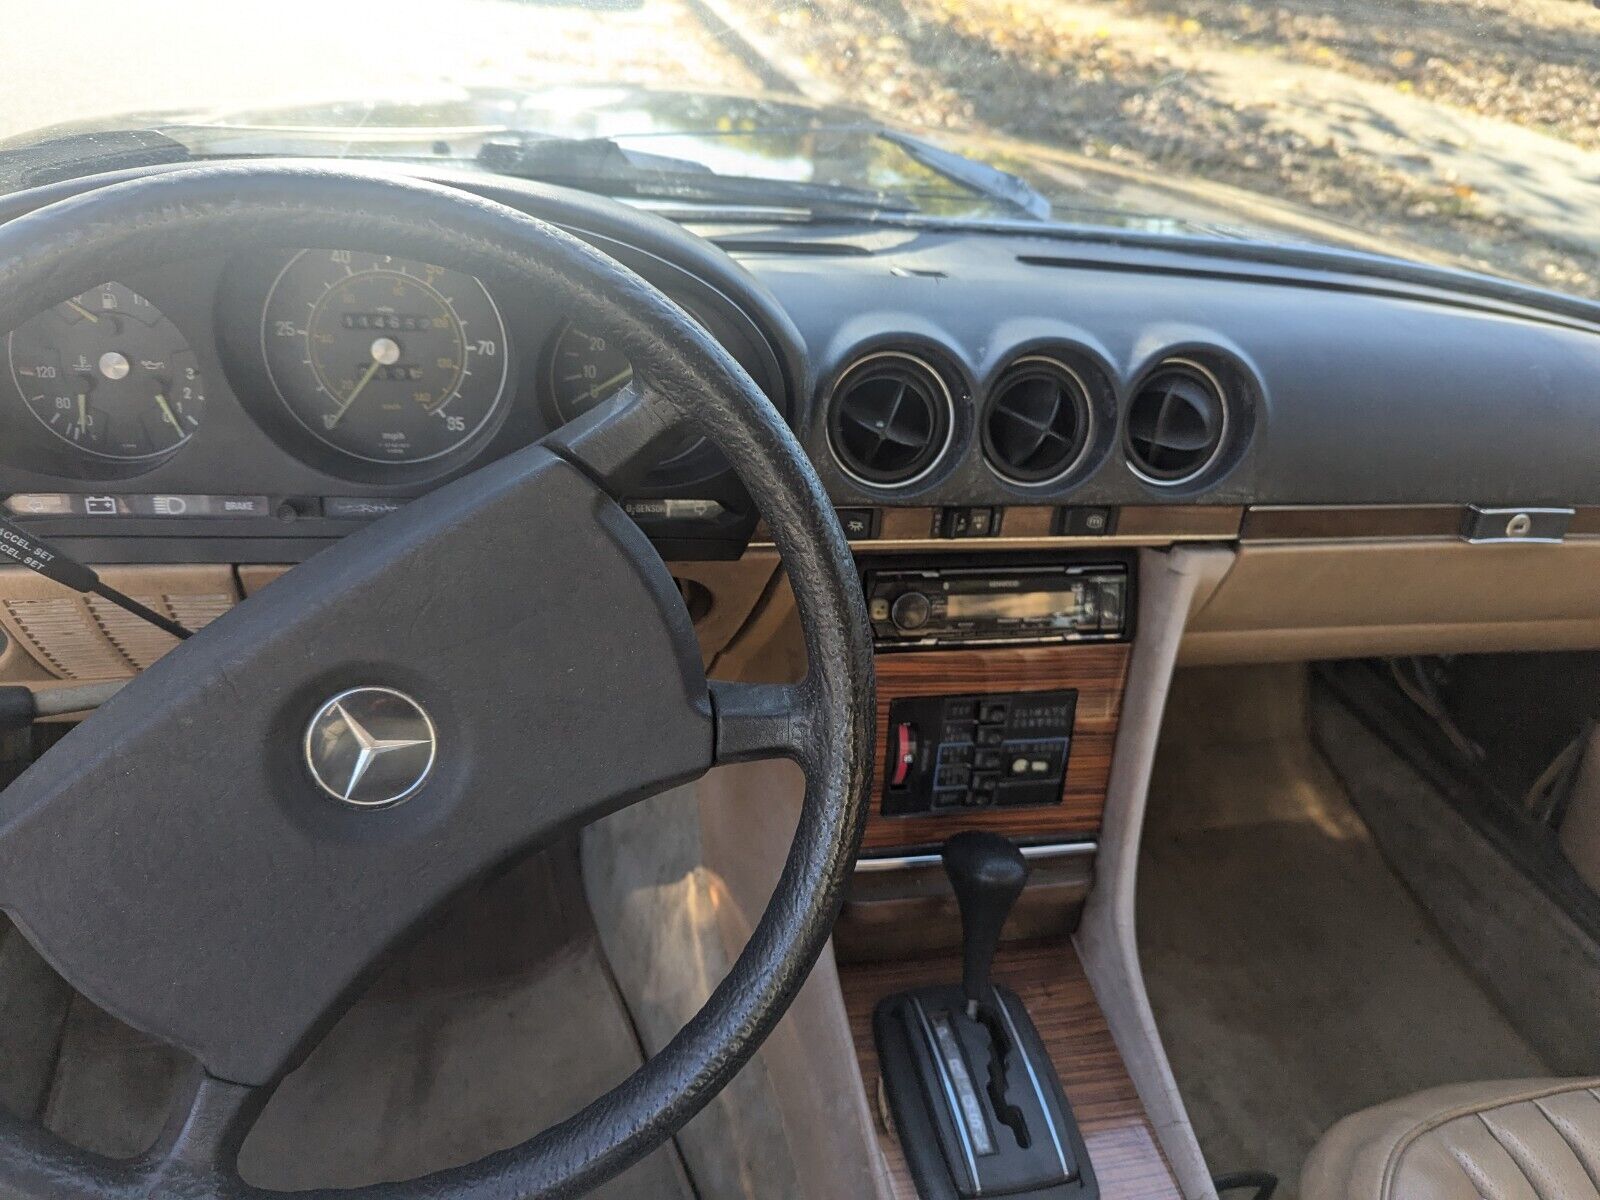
902,862
1475,511
950,1097
1043,542
1033,1078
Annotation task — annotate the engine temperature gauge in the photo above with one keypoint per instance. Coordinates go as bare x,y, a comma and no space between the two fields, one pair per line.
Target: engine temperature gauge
109,375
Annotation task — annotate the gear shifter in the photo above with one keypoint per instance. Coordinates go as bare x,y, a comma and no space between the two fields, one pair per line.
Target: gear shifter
976,1101
988,873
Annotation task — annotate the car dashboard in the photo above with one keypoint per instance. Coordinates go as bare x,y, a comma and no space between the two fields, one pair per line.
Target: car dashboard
991,388
1000,399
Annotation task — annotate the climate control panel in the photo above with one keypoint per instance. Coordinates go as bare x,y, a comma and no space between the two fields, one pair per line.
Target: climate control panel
961,752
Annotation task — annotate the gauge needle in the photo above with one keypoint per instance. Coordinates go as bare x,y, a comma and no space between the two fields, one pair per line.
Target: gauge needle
83,411
606,385
356,391
166,411
82,311
385,353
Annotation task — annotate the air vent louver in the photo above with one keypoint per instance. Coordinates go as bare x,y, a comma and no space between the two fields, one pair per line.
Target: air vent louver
890,420
1177,423
1037,426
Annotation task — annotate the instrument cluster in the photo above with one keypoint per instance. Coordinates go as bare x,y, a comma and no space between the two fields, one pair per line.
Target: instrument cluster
366,368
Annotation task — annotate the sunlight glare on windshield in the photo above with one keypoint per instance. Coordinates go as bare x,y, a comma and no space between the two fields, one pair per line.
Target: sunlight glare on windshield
1458,131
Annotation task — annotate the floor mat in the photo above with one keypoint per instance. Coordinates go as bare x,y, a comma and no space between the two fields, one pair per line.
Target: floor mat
1293,977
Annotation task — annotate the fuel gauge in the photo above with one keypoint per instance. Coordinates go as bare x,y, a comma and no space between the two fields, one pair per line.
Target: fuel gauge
108,374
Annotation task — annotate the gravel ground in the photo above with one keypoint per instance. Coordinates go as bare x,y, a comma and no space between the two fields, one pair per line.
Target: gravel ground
1534,62
1132,82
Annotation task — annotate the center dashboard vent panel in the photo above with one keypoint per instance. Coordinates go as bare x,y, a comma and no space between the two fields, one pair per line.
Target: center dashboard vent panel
1039,421
1177,424
891,419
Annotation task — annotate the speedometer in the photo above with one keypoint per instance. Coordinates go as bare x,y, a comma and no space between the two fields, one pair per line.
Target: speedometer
384,359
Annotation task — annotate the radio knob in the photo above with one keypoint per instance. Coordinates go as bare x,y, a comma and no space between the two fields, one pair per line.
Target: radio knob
911,610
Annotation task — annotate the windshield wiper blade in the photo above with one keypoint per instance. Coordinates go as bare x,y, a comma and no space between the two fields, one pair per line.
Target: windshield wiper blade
1010,190
602,165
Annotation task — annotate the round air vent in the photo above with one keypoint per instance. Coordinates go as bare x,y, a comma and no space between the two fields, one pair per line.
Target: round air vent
1038,423
891,419
1177,423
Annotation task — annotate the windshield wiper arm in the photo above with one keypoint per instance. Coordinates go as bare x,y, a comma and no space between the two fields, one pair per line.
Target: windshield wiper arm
600,164
1010,190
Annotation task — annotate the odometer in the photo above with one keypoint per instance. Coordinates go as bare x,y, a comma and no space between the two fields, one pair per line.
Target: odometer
109,375
384,359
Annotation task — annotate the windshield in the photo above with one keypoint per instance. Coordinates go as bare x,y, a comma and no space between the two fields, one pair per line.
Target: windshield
1462,132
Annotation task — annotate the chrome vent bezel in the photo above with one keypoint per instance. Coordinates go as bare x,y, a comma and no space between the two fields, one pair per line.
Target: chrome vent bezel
941,400
1084,405
1208,379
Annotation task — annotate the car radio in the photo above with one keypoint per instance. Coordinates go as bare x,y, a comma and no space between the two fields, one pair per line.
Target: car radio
981,606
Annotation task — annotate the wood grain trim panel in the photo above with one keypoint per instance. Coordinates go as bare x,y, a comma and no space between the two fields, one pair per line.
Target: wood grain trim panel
1585,521
1028,521
1179,522
1099,672
1049,979
905,525
1353,522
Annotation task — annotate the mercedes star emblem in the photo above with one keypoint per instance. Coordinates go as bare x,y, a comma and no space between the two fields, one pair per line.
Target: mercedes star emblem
370,746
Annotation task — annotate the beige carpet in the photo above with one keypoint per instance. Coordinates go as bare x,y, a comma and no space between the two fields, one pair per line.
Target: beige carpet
1293,976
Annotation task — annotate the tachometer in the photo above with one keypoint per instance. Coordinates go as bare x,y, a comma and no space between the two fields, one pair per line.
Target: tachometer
384,359
108,374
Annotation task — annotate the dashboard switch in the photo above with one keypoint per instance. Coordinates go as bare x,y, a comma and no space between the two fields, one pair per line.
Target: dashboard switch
969,522
856,523
905,753
1086,522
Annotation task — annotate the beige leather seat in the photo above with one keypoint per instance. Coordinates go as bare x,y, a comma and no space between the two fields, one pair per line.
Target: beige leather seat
1531,1139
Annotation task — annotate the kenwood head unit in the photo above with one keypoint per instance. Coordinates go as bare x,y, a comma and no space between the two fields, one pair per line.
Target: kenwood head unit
1039,603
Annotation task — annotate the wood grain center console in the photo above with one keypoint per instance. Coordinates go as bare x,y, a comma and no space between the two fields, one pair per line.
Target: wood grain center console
999,690
1021,743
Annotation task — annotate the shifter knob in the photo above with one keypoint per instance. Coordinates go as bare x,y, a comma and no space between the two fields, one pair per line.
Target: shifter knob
987,872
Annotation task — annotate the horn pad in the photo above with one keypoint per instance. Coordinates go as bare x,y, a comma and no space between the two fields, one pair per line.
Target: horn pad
203,858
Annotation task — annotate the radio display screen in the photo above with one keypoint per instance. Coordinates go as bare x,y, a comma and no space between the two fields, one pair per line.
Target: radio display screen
1021,605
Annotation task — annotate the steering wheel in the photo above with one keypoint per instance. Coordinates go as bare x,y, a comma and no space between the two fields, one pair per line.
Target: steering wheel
499,662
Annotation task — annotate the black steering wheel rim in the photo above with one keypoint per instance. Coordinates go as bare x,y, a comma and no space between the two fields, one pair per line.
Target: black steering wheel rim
826,722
